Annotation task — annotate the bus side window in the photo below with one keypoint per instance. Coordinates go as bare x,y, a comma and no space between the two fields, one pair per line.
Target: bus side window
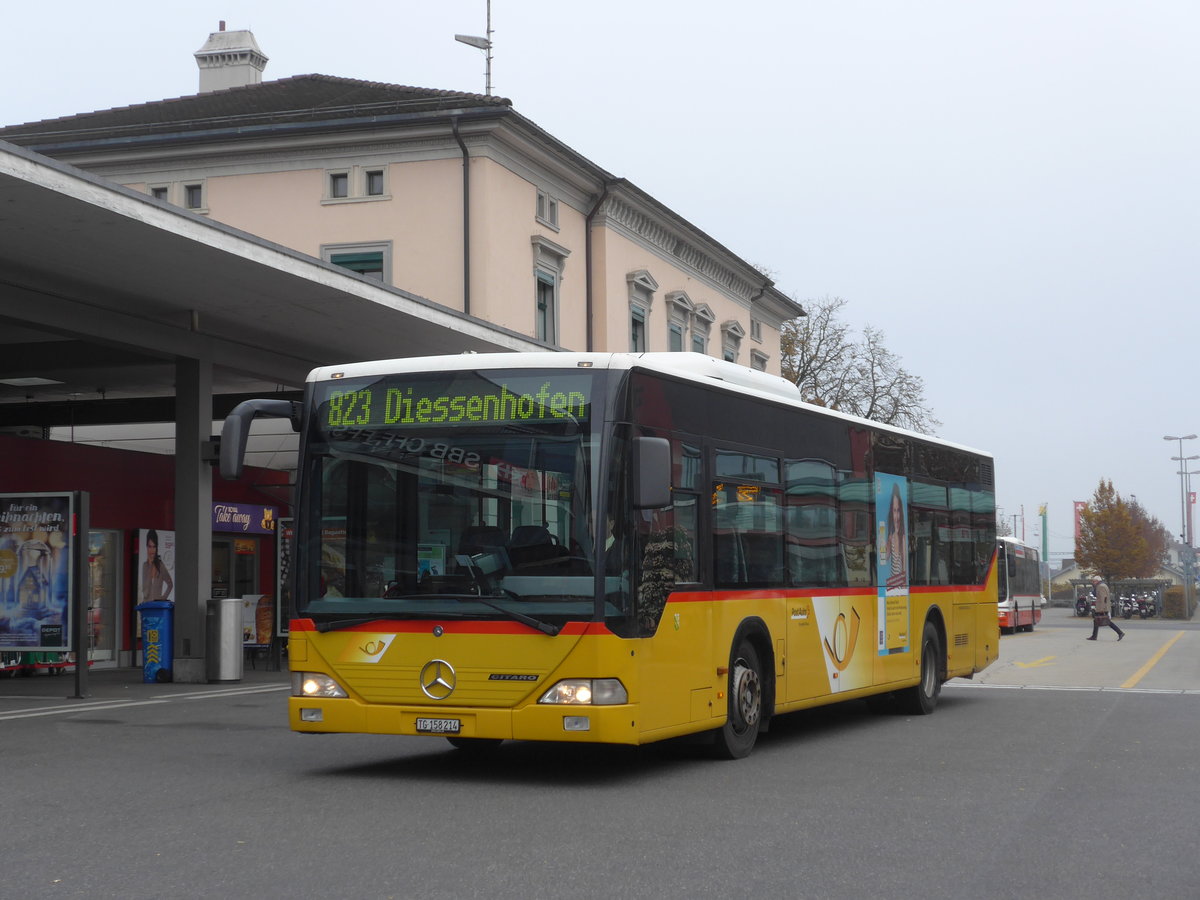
747,535
811,518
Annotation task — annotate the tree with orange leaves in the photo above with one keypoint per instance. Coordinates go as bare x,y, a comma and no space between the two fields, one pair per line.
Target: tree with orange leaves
1118,539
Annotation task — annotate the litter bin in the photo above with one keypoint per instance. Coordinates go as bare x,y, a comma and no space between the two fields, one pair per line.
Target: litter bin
223,638
158,640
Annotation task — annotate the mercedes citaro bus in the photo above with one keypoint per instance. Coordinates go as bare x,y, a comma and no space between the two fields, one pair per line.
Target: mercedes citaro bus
617,548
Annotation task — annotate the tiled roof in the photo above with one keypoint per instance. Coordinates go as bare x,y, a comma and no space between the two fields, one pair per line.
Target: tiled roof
287,99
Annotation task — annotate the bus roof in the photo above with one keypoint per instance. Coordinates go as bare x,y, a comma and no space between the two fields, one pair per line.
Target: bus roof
687,365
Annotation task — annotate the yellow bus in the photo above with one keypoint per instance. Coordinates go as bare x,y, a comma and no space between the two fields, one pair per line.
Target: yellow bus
617,548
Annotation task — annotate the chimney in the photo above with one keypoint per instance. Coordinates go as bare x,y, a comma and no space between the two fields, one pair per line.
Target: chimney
229,59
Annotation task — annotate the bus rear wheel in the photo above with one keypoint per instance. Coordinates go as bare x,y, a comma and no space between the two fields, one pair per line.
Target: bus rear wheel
736,738
921,699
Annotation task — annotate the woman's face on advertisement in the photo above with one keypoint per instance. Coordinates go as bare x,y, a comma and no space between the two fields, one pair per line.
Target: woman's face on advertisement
151,551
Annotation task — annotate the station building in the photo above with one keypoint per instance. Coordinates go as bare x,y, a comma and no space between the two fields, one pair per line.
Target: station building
162,261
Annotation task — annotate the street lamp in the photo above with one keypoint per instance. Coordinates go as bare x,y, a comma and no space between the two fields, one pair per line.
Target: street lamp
1189,536
1185,556
1182,483
485,44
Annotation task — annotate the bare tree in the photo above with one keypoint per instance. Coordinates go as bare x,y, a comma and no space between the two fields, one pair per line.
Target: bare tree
861,377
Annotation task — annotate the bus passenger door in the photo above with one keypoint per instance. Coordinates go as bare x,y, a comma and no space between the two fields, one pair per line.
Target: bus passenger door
829,645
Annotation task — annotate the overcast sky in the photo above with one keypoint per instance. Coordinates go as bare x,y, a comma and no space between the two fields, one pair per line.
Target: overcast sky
1008,189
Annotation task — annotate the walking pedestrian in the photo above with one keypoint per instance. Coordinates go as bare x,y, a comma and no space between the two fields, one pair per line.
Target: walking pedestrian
1103,612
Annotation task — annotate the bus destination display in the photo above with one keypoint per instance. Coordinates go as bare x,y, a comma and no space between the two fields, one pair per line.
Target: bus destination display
396,402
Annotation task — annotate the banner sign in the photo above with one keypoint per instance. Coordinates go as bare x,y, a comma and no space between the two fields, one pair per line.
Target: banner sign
36,534
244,518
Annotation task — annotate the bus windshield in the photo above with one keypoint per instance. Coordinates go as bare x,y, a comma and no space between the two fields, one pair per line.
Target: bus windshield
451,495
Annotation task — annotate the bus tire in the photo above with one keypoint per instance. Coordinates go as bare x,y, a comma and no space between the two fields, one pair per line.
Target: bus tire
475,745
921,699
735,739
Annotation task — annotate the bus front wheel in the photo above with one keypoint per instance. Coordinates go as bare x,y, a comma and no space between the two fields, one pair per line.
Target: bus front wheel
735,739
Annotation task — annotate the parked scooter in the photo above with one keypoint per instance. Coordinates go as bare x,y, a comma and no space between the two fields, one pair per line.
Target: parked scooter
1084,604
1127,606
1145,606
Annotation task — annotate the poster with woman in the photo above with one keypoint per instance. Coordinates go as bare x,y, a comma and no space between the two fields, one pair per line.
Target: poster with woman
891,544
156,565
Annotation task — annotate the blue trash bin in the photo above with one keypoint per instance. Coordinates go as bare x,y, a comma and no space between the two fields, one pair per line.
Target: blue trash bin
158,640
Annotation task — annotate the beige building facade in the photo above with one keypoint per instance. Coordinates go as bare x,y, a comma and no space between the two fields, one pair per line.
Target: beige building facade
454,197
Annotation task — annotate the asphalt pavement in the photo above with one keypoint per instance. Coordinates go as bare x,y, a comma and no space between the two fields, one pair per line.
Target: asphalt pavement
46,690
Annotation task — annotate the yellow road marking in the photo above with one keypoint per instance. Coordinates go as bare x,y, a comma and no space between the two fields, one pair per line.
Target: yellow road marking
1152,662
1036,664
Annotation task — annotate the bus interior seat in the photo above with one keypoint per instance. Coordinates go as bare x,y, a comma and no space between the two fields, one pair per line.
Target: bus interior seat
482,539
531,544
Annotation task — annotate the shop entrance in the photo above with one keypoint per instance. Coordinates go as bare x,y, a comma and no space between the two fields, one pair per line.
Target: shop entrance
104,570
234,566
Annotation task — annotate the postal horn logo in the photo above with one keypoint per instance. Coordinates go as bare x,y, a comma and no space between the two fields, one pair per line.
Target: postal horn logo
845,637
438,679
370,650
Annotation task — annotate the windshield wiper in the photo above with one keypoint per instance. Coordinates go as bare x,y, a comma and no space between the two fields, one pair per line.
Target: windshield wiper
543,627
339,624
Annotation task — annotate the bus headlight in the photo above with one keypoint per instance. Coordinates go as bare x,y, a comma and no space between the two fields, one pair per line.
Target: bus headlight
315,684
586,692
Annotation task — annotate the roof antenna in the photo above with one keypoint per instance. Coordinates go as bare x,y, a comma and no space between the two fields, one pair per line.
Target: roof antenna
484,44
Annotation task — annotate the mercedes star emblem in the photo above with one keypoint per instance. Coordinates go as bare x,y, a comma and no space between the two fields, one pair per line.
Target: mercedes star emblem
438,679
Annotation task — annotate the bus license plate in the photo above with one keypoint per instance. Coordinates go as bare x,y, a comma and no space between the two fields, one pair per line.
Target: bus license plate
439,726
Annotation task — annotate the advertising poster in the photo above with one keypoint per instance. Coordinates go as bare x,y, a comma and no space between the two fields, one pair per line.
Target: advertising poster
156,565
258,619
891,541
35,571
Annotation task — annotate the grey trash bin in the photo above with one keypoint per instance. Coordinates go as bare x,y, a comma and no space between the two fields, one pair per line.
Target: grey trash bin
223,636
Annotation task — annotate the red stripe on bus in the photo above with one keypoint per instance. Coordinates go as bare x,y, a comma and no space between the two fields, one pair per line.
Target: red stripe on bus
453,626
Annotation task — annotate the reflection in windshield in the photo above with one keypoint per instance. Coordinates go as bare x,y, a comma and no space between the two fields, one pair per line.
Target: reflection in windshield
453,524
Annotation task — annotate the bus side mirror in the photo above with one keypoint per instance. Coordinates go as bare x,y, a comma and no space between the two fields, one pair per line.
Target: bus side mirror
651,473
235,431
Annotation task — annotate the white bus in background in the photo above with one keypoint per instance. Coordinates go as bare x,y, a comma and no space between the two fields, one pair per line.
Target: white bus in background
1020,600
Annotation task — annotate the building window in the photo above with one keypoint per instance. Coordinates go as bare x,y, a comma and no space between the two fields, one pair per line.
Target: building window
637,329
731,340
549,266
193,196
679,313
546,298
355,184
160,192
641,300
369,264
758,360
755,330
546,211
675,338
372,260
702,320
